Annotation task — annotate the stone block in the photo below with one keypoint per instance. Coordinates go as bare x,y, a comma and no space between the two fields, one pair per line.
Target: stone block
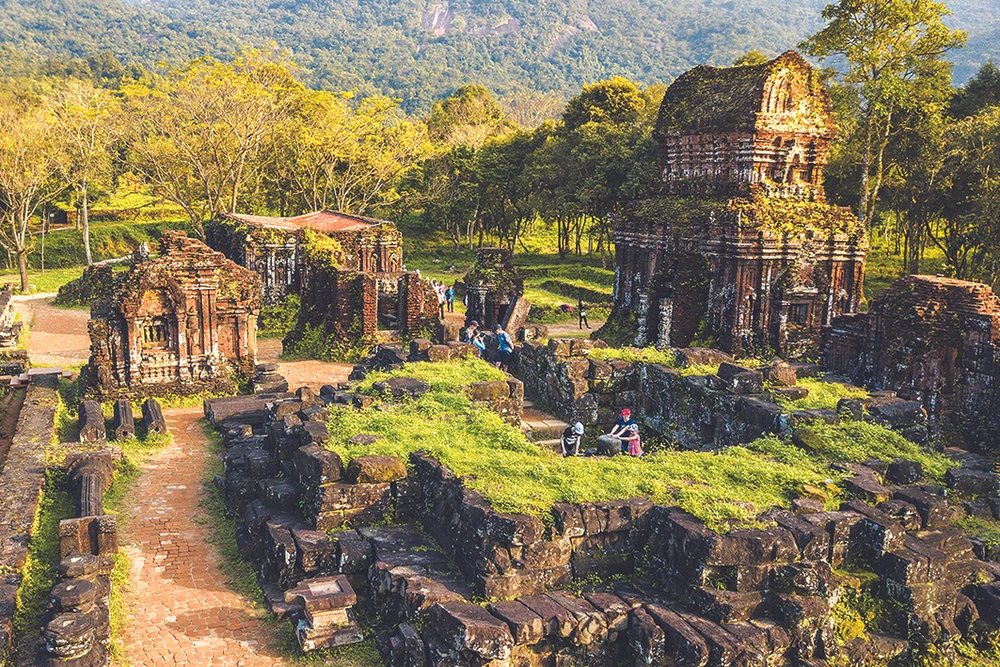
681,641
438,353
740,381
646,640
315,465
972,482
526,626
903,471
725,606
933,508
782,374
375,470
466,627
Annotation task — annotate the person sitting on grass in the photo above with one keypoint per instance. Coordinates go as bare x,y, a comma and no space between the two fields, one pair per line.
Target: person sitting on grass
571,438
627,430
505,347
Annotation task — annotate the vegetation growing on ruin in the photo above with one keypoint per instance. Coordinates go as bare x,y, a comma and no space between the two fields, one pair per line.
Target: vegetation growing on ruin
858,441
442,377
823,395
276,320
322,250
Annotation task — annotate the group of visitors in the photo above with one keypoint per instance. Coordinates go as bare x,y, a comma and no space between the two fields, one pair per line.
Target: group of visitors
505,344
445,296
624,436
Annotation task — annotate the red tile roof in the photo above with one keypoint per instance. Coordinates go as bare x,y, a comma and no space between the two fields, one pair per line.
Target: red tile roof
323,221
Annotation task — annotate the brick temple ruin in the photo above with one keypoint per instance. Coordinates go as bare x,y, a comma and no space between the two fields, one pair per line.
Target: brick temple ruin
347,270
182,322
494,292
930,339
740,248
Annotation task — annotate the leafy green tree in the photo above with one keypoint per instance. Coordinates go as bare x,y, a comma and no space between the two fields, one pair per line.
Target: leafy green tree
894,54
469,117
84,125
199,136
616,100
982,90
28,172
751,57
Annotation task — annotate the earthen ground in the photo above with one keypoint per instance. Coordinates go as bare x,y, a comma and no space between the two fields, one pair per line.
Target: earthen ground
312,374
181,610
58,335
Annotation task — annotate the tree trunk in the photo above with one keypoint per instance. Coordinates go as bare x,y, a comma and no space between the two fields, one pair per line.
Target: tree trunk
85,224
22,267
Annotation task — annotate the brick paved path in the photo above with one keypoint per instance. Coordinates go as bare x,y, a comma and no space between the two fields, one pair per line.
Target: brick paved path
181,611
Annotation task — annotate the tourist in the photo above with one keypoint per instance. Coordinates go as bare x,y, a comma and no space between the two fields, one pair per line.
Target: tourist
627,430
470,332
478,342
582,311
439,291
449,296
505,347
571,438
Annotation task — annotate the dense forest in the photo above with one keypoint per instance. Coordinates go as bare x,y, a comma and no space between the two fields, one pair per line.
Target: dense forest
419,50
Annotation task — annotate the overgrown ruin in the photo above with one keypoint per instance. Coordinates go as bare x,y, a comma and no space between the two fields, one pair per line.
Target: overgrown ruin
347,271
933,340
182,322
740,249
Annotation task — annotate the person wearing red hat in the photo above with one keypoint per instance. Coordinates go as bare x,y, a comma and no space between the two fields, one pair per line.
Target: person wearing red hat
627,430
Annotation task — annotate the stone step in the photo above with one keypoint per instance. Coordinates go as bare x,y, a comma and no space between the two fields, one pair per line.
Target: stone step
555,444
546,429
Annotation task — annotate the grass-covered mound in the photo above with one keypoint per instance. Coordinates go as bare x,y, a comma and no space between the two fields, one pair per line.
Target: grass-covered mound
737,483
823,395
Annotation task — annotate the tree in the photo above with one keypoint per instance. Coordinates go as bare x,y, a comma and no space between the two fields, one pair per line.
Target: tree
468,117
28,168
981,91
82,117
893,50
199,136
616,100
347,155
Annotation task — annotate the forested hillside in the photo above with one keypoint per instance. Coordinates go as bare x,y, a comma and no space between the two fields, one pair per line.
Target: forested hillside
420,50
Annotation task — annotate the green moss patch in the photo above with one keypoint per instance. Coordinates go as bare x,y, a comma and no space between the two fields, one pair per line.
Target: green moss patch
822,395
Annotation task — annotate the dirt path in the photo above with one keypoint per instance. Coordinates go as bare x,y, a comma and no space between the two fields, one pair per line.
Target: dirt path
181,610
573,330
313,374
58,335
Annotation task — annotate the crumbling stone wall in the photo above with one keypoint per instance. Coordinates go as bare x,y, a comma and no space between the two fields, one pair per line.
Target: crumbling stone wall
181,323
21,480
740,249
932,340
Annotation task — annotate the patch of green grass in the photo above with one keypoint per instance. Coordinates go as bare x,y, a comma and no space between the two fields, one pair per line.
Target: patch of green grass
988,530
648,355
822,395
49,281
450,376
856,441
39,573
518,476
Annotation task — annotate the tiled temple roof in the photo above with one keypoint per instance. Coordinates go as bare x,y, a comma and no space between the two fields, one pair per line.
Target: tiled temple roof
322,221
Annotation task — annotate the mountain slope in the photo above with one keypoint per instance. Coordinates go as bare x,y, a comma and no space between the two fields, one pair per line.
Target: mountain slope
421,49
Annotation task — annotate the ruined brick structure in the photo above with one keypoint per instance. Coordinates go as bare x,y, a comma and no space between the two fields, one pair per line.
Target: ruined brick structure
347,270
930,339
493,288
740,248
183,322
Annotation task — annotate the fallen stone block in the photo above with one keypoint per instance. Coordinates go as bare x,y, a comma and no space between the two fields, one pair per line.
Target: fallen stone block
467,627
375,470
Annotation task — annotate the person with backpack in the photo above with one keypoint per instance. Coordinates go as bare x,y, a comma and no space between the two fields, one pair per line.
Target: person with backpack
505,347
571,438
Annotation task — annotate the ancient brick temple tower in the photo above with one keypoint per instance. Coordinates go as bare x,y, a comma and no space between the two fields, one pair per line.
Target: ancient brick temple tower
740,249
493,287
183,322
930,339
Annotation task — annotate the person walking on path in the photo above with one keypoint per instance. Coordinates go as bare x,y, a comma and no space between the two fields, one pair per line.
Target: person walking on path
439,291
582,310
505,347
449,297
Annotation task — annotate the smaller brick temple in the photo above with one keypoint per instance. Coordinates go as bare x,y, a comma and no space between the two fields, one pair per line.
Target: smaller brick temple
740,249
930,339
182,322
346,269
494,292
